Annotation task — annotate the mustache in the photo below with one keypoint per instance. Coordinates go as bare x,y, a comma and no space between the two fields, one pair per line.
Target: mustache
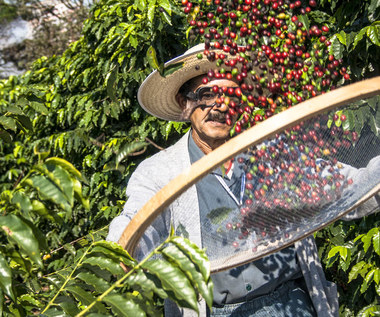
212,115
216,116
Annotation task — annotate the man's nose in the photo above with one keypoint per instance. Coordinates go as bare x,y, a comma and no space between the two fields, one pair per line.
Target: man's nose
222,107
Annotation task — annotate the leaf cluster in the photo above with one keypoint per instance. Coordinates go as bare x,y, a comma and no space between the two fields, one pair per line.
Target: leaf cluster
351,254
71,134
78,109
357,33
106,280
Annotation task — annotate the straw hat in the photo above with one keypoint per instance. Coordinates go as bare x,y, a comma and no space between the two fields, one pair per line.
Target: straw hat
156,94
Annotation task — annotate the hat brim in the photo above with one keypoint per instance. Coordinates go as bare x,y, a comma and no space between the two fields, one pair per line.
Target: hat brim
157,94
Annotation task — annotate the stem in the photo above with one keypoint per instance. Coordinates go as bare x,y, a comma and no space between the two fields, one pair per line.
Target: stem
68,278
22,180
72,243
154,144
119,282
76,240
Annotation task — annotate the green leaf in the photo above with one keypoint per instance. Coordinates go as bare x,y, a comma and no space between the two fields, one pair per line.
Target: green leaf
165,4
66,165
376,276
24,121
63,180
218,215
38,235
197,256
140,4
99,284
366,242
373,102
48,190
336,48
151,10
18,231
173,281
6,278
39,107
40,209
133,41
79,292
147,283
360,268
170,69
19,198
181,231
105,264
367,281
319,16
333,255
127,149
359,119
110,82
78,194
367,239
2,299
372,123
124,306
359,36
55,280
54,312
13,109
376,242
305,20
175,255
5,136
68,305
8,123
346,125
30,300
373,33
343,251
377,117
342,37
110,247
349,39
166,17
369,311
152,57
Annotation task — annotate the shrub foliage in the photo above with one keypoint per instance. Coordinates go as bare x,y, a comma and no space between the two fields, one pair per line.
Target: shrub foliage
71,134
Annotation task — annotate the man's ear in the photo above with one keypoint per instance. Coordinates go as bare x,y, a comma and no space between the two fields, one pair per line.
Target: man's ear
182,101
187,107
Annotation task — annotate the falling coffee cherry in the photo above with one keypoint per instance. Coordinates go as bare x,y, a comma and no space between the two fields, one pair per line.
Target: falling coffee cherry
269,50
278,62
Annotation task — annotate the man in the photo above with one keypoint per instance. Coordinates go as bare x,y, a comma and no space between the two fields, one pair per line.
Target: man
288,283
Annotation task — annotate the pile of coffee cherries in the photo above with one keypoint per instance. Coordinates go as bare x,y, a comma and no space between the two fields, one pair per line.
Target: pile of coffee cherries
269,48
279,58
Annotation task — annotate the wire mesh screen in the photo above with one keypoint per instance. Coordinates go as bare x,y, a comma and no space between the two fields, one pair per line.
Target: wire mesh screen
285,188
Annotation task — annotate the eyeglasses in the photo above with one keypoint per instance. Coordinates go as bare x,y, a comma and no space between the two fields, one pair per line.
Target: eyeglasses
207,96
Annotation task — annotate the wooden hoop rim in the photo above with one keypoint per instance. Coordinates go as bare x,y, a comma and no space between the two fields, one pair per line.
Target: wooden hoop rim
279,122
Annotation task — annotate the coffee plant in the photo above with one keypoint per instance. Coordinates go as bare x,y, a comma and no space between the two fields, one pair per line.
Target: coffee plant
350,251
72,132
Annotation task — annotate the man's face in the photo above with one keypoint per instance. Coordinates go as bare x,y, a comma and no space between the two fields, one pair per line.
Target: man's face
209,123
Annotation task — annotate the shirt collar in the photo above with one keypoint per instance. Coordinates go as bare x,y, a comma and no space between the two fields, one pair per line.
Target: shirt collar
196,153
